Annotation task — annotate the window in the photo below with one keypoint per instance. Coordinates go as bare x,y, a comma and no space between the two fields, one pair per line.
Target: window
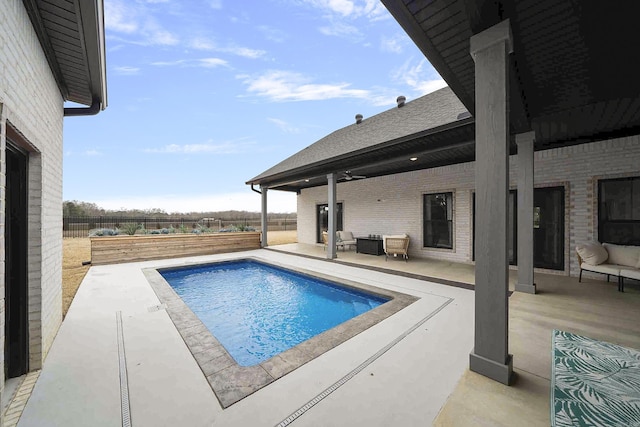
619,211
438,220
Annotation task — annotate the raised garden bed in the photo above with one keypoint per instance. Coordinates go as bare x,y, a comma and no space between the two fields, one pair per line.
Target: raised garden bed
119,249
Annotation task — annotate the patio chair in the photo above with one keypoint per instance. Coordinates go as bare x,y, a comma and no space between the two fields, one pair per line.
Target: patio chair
345,238
396,246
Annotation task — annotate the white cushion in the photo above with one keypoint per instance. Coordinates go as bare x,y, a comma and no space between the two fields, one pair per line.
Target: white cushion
623,255
631,274
592,253
612,269
345,235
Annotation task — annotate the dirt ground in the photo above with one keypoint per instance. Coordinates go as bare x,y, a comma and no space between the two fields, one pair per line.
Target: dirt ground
77,250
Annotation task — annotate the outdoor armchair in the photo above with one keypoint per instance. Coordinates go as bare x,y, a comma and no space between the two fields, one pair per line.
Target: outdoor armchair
394,246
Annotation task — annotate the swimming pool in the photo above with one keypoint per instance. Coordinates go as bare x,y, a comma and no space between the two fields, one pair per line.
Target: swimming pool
257,310
229,380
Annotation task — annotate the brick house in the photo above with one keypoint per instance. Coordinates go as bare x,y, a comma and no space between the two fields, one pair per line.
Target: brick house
540,125
50,52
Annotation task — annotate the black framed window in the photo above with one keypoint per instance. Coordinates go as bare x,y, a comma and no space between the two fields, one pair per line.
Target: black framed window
619,211
437,220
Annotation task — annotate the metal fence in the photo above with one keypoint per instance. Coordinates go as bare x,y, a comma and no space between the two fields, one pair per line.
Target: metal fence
80,226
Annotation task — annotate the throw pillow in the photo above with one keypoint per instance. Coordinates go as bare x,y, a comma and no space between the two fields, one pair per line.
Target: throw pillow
592,253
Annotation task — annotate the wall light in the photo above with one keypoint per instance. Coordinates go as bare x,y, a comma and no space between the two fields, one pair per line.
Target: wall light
413,159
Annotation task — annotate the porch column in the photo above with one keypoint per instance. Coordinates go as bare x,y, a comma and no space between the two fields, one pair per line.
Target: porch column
333,215
525,213
263,217
490,50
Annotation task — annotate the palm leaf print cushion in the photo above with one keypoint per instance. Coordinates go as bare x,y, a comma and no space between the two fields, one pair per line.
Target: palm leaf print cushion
593,383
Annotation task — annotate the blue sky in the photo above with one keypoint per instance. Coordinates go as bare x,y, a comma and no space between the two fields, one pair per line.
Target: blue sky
204,95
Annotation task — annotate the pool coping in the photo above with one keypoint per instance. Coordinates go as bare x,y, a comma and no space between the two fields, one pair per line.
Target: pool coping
231,382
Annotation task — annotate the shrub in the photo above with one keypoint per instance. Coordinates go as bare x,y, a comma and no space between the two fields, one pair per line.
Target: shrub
130,228
98,232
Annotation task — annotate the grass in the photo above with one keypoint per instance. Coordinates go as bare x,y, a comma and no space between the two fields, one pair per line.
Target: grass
77,250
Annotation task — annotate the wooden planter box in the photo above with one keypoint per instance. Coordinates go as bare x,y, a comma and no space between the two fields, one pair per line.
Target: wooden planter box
119,249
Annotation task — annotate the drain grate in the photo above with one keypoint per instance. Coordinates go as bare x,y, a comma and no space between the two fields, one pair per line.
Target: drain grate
124,384
310,404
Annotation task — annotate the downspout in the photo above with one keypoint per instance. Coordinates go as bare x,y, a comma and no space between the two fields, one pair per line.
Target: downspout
79,111
263,216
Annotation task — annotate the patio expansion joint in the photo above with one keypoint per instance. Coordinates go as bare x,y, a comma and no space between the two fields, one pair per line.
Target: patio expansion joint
326,392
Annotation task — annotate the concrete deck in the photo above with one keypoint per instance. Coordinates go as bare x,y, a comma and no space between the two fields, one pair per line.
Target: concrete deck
398,372
410,369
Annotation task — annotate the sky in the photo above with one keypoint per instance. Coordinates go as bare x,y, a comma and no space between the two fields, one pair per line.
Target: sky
204,95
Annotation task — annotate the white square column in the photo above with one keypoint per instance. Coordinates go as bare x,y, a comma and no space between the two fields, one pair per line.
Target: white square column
490,50
332,180
525,213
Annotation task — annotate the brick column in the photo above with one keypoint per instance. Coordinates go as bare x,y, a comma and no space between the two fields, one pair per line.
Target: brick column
525,213
490,50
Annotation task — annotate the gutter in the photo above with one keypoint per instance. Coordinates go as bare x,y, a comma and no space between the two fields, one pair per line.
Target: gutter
253,189
79,111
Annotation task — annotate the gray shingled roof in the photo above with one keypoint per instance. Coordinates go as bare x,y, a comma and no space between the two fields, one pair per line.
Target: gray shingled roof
433,110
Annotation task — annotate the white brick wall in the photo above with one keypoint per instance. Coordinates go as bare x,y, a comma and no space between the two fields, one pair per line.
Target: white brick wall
393,204
32,104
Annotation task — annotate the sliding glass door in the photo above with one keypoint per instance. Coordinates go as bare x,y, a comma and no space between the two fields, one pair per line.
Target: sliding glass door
322,220
548,228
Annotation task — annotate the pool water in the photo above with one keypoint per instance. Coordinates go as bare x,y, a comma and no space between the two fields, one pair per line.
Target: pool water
256,310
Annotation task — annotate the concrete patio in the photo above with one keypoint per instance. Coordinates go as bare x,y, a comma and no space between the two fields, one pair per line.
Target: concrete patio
410,369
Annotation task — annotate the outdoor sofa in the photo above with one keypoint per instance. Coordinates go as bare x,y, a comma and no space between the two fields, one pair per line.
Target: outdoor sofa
612,260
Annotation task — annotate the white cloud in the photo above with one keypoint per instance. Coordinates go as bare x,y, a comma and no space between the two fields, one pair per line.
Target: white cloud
134,19
277,202
421,77
290,86
215,4
273,34
245,52
340,29
203,43
93,153
202,62
285,126
392,44
119,17
126,70
371,9
212,62
230,147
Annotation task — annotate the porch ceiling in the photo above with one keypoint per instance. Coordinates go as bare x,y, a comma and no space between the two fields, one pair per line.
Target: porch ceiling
71,34
572,80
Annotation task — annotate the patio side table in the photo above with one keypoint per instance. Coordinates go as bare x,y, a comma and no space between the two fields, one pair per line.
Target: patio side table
369,245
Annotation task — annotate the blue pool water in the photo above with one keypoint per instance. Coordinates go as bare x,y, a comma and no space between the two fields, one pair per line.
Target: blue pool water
257,310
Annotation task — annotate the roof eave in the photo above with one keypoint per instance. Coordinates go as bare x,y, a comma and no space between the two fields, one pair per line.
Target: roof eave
90,19
331,164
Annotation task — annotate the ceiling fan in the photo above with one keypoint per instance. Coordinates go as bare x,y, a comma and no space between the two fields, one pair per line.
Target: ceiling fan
348,176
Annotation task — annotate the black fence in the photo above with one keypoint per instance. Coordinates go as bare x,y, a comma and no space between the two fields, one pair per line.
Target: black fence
81,226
